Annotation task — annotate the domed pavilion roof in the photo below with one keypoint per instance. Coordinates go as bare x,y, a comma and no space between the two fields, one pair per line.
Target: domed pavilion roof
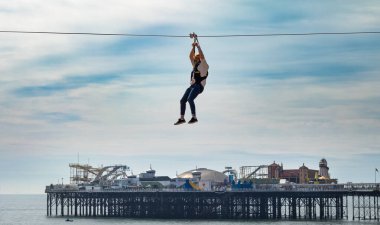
206,174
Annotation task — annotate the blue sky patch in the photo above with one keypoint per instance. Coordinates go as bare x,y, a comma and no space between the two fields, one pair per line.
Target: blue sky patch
65,84
57,117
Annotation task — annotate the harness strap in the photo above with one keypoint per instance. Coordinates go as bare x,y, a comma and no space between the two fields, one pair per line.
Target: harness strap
196,74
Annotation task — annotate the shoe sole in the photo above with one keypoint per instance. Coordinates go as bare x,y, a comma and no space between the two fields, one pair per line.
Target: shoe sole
179,123
192,122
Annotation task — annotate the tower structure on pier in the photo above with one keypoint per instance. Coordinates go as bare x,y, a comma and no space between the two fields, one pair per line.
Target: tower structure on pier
324,169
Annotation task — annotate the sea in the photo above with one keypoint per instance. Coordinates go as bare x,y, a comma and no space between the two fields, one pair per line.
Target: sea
31,210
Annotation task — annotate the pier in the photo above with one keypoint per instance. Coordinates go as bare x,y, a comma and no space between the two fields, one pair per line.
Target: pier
303,202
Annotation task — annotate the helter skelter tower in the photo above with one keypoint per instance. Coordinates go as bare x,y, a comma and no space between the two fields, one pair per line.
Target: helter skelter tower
324,169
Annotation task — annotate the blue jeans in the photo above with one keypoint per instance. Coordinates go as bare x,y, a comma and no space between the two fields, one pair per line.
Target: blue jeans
190,94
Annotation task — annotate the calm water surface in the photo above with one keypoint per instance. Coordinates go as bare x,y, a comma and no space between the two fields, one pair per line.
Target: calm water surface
31,210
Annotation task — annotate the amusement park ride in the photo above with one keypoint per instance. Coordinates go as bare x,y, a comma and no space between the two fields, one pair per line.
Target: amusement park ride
101,176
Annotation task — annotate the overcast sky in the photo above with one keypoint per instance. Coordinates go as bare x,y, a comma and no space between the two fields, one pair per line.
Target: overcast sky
113,99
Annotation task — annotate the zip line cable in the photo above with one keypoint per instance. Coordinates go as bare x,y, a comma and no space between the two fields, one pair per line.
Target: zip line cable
90,33
182,36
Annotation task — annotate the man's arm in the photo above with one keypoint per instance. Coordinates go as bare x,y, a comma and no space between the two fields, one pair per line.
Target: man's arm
201,55
203,67
192,53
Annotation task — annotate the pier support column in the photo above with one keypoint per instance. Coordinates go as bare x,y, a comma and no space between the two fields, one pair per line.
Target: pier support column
377,208
321,208
339,207
76,205
263,207
47,205
56,204
62,205
279,205
51,203
294,208
309,209
353,207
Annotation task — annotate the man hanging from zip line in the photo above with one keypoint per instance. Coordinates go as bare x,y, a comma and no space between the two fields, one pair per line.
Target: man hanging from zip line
197,81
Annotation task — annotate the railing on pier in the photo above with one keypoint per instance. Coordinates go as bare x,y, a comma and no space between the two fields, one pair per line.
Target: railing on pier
348,187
